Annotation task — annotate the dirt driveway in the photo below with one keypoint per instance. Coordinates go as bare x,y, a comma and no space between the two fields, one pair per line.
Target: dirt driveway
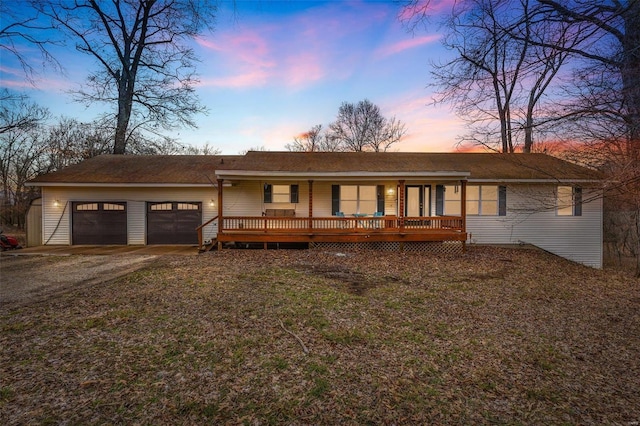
26,279
35,273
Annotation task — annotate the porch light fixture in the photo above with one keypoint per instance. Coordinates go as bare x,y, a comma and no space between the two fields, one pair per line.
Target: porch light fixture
212,203
391,191
56,203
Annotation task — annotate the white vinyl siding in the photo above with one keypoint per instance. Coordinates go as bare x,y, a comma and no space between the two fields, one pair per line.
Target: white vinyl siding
531,219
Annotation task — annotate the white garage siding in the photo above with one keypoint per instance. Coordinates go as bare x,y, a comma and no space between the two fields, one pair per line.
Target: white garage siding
56,220
531,219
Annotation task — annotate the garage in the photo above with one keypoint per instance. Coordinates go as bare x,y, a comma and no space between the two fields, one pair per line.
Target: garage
99,222
173,222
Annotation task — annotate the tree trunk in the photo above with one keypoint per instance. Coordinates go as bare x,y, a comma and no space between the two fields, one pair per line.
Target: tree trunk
631,77
125,101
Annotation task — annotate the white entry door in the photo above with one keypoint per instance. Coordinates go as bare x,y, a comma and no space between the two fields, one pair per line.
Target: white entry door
417,200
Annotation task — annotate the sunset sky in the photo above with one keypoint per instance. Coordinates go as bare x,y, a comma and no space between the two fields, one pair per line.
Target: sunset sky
273,69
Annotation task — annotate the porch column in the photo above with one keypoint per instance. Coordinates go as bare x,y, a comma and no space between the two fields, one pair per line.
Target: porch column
463,205
220,218
310,225
401,191
463,209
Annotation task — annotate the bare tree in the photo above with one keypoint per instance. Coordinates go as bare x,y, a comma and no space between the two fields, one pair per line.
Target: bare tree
18,113
309,141
21,147
498,76
361,127
205,149
606,39
22,25
145,65
316,139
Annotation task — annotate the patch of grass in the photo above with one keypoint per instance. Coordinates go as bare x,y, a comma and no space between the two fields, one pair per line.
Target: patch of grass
320,387
316,369
197,409
13,327
277,363
346,337
6,393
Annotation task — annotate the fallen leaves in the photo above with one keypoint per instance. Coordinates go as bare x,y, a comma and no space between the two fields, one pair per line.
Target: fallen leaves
312,337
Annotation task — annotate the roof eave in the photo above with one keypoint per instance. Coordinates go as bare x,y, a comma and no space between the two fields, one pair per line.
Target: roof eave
329,176
554,181
123,184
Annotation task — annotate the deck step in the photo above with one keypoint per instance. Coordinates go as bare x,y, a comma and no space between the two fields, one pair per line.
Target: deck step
208,247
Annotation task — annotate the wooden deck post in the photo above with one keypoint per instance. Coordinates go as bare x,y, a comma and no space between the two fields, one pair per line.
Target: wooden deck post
463,210
310,226
220,217
401,205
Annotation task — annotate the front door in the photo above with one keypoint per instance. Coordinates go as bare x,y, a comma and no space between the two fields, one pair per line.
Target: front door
417,200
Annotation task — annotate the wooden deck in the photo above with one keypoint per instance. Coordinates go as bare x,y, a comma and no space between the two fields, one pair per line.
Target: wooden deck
265,229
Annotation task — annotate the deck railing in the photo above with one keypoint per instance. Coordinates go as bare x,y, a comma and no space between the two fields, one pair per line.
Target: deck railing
267,224
199,231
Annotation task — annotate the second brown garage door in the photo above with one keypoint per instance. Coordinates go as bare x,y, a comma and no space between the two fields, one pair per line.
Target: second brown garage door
173,222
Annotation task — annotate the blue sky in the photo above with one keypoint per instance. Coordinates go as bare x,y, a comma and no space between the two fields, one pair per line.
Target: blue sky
273,69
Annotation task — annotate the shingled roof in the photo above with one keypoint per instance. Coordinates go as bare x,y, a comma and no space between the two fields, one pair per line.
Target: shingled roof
140,169
203,169
479,166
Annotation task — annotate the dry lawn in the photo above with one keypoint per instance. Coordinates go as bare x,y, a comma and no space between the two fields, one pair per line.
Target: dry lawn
493,337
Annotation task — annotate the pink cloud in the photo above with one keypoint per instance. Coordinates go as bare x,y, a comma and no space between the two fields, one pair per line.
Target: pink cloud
250,79
403,45
429,127
208,44
303,69
14,78
269,54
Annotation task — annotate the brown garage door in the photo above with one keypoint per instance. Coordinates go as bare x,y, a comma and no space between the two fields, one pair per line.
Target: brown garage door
98,222
173,222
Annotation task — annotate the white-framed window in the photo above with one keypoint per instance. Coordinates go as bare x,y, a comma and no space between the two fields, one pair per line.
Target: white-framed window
279,193
568,201
358,199
452,200
482,200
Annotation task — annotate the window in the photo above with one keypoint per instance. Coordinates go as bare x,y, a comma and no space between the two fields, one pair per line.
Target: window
87,206
569,201
280,193
160,206
350,199
482,200
188,206
452,198
111,206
